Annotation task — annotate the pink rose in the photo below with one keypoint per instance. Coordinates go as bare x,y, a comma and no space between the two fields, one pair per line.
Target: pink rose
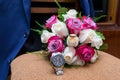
88,23
74,25
55,44
53,19
85,52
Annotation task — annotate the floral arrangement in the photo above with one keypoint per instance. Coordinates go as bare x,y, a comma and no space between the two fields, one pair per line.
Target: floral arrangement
72,35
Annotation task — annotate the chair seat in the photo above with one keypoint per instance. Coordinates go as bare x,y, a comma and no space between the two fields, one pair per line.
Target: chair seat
36,67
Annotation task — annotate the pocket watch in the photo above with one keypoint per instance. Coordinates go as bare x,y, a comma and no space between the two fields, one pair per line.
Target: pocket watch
57,60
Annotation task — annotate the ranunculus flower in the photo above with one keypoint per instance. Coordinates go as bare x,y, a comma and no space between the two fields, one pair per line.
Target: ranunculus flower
60,29
53,19
72,13
45,36
74,25
88,23
72,40
85,52
90,36
69,53
55,44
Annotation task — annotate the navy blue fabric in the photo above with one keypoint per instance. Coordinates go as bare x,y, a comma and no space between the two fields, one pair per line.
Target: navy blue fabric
87,7
14,30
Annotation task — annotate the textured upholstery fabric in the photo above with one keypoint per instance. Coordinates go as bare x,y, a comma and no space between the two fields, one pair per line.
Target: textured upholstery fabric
35,67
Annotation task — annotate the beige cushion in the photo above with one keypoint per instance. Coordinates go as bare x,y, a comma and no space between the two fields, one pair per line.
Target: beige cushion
35,67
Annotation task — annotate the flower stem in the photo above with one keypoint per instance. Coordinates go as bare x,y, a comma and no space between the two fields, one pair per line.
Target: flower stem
38,31
40,25
58,4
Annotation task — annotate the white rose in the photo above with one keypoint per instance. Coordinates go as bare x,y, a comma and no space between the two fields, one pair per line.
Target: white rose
97,42
72,40
86,35
60,29
69,53
90,36
45,36
72,13
94,58
78,61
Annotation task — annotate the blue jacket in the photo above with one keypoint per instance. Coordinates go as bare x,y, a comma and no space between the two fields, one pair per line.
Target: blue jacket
14,30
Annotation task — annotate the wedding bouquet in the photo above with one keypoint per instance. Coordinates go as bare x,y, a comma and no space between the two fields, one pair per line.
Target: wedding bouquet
71,35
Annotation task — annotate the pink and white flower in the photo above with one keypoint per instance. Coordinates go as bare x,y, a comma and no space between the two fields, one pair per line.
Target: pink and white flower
85,52
53,19
74,25
88,23
55,44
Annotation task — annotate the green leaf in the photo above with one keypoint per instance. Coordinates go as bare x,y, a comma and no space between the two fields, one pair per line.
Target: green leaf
61,18
100,34
96,19
62,10
80,15
104,47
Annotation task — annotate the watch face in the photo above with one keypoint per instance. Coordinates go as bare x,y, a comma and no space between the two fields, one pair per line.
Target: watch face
58,60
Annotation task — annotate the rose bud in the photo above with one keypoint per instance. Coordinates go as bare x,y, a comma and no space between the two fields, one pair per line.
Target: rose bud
60,29
72,40
79,61
69,53
72,13
94,58
53,19
45,36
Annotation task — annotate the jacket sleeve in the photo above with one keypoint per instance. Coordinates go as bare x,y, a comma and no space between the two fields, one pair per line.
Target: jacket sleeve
15,28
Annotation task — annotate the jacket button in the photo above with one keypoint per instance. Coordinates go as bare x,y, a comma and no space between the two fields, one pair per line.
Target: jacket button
26,35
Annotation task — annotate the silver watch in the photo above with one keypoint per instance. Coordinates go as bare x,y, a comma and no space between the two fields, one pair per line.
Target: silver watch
58,61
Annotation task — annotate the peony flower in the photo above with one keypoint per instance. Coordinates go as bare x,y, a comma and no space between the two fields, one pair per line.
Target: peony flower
60,29
85,52
55,44
45,36
72,40
69,53
74,25
88,23
53,19
90,36
72,13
